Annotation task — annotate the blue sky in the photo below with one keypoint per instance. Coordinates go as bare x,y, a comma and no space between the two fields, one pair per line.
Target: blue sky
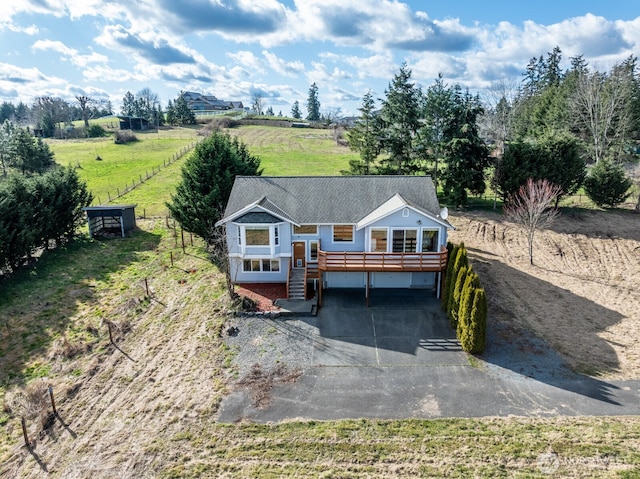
235,48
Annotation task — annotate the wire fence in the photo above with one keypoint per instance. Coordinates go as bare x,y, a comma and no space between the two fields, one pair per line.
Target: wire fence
143,177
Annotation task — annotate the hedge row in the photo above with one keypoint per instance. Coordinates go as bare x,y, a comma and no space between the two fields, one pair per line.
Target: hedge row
38,210
465,301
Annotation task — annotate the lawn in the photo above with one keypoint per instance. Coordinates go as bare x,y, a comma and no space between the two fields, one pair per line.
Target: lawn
295,151
109,168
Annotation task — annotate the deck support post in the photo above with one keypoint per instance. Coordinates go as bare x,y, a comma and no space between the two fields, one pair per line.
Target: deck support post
367,289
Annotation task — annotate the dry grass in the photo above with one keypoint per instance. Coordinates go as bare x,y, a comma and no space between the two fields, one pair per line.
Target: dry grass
146,407
583,292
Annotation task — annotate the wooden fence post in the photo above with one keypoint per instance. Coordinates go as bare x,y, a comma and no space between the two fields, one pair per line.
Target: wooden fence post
110,333
24,433
53,402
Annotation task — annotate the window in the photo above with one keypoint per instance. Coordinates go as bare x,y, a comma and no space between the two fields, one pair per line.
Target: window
342,233
305,230
257,236
313,251
276,236
239,236
379,241
261,265
405,241
429,240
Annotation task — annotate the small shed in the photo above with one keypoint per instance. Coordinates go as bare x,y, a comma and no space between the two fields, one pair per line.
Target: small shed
134,123
110,219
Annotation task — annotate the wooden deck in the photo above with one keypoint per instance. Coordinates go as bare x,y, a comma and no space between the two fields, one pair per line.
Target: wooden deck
382,262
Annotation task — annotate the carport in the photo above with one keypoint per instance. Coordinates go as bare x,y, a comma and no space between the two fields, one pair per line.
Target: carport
110,219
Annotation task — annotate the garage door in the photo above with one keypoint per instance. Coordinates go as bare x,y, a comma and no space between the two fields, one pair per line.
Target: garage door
336,279
390,280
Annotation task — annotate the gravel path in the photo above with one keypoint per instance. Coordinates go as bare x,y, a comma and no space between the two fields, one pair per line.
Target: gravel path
271,342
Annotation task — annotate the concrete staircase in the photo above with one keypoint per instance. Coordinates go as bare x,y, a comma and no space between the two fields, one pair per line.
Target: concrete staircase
296,284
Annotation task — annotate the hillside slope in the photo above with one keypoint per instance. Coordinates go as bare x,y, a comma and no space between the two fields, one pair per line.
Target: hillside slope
583,292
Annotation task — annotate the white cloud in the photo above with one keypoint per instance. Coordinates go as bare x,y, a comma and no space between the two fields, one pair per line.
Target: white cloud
13,27
321,75
247,60
284,68
70,54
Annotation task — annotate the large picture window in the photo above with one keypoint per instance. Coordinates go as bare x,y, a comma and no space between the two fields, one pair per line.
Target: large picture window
264,265
379,240
405,241
429,240
257,236
342,233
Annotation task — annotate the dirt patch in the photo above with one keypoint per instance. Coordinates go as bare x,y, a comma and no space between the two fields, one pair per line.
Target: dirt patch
260,382
263,294
581,295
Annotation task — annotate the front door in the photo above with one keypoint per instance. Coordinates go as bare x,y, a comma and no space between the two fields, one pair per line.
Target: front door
299,254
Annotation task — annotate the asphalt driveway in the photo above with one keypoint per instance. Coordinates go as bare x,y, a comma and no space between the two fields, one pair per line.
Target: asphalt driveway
398,358
399,328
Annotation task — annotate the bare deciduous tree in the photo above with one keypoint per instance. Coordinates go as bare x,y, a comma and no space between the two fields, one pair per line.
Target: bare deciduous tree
85,103
497,119
219,256
531,207
257,102
600,106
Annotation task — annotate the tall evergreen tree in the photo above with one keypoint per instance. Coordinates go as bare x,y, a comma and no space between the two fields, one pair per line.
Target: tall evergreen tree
313,104
363,138
400,115
437,111
182,114
128,105
28,154
295,110
465,153
207,177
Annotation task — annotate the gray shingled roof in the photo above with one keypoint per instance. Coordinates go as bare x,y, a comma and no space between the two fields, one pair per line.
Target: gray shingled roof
330,199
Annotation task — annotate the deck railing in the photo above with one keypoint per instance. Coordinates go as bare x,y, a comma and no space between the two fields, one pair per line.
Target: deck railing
389,262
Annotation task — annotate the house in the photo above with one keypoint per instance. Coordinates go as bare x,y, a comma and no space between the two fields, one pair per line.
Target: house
336,232
204,104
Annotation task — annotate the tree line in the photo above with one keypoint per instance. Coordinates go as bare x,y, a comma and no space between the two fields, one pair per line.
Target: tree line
575,128
51,115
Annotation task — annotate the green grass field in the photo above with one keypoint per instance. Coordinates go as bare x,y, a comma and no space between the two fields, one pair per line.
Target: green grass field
109,168
295,151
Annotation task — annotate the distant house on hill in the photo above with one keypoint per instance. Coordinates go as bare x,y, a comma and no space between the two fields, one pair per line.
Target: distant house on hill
204,104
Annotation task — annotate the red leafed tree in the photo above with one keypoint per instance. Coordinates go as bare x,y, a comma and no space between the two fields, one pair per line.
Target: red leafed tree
531,207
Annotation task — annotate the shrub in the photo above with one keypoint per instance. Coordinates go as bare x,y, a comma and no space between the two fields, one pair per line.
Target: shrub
472,328
456,296
607,184
463,329
96,131
125,136
451,259
460,261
